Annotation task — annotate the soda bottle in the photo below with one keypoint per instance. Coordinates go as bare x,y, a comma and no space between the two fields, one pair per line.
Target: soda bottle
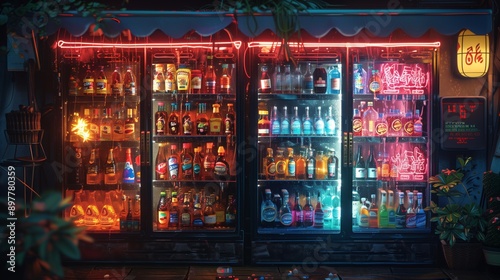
319,79
265,80
101,82
357,124
187,162
210,80
321,166
187,120
270,165
373,212
268,211
421,216
290,174
383,213
359,79
129,82
173,121
202,124
173,163
411,216
285,122
417,125
364,213
336,208
300,166
161,163
333,165
311,165
209,163
308,211
375,83
296,125
162,212
197,212
319,123
221,168
174,212
128,171
335,80
197,164
330,122
390,209
327,205
160,119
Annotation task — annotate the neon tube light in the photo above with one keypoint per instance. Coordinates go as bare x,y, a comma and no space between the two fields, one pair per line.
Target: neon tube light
344,45
89,45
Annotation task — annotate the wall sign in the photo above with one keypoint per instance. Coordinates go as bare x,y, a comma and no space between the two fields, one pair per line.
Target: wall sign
463,123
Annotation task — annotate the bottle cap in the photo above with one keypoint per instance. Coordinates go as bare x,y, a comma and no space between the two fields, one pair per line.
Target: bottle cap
210,145
161,103
221,150
224,65
173,147
186,145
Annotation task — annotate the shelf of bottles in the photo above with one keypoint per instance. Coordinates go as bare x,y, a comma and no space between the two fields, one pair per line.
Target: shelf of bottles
101,98
391,142
194,140
299,181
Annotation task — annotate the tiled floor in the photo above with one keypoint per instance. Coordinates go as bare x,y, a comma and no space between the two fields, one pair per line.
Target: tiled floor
208,272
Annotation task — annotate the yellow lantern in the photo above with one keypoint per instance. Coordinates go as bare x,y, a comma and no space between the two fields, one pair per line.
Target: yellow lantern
473,54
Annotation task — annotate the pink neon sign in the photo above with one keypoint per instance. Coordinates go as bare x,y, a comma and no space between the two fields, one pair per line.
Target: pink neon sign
411,164
404,78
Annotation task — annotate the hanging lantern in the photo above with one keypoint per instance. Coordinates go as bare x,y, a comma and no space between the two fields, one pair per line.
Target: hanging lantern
473,54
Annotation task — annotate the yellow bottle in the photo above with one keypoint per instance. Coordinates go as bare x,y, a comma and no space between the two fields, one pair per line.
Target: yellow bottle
321,166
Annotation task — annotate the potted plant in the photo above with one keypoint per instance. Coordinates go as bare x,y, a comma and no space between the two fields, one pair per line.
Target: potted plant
43,238
491,195
459,221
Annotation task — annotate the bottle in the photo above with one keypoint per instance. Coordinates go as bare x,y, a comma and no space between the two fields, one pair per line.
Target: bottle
73,82
357,123
308,84
173,163
119,127
129,82
381,126
277,201
275,122
401,212
370,117
327,206
319,79
161,163
408,125
225,80
128,171
285,122
364,213
417,124
76,213
359,165
336,208
371,166
383,213
221,168
391,210
197,212
373,212
321,166
106,125
101,82
110,177
319,123
162,212
209,163
311,165
183,79
421,216
231,211
296,126
215,120
170,82
297,80
318,214
77,175
281,165
92,212
186,214
308,211
93,168
173,212
270,165
160,119
265,80
375,83
268,211
286,80
264,124
220,211
88,82
159,79
210,217
355,207
396,124
186,162
187,120
286,218
210,80
385,170
359,79
330,122
196,81
335,80
137,164
276,79
94,126
197,164
300,166
298,214
173,121
333,165
230,120
411,216
290,169
129,218
307,124
107,217
130,126
202,125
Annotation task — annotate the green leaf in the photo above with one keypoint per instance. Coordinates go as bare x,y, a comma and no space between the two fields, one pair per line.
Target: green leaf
68,248
54,261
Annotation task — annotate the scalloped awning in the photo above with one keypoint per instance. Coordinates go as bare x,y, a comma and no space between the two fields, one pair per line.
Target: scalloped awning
317,23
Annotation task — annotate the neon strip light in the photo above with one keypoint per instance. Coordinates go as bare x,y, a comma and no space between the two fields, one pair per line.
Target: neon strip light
87,45
344,45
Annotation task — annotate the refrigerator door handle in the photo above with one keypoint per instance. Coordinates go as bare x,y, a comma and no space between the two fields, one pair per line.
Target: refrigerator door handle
145,137
347,149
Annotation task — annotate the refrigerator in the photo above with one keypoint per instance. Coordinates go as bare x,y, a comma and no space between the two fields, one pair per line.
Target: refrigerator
150,147
344,151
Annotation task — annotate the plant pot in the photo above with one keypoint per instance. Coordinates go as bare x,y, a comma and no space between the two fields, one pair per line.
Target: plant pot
492,255
463,255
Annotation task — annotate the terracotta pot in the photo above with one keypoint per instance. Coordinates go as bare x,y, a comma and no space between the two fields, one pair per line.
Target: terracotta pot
463,255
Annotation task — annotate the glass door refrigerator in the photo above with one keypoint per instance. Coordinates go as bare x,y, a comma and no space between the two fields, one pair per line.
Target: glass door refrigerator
344,152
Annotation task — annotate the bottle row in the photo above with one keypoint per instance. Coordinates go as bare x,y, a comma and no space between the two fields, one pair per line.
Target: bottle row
193,209
111,210
192,164
100,81
187,79
389,209
120,167
320,78
304,165
282,124
187,122
102,124
299,210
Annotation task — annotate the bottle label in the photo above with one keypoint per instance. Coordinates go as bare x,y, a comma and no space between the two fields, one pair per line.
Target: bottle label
220,168
392,218
196,169
381,129
161,168
210,219
330,127
400,221
291,168
169,85
285,127
364,220
106,132
271,170
202,128
197,222
421,220
308,216
372,173
335,84
196,83
269,214
319,127
281,168
173,218
411,220
396,125
320,83
160,125
187,167
318,218
173,167
230,218
118,131
286,219
310,170
88,86
408,128
360,172
374,86
129,88
307,126
185,219
110,177
296,127
183,79
331,170
358,83
417,128
129,130
275,128
265,84
162,217
298,217
357,125
100,86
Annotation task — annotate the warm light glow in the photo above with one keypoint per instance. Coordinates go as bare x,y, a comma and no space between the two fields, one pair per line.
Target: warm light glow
343,45
204,45
473,54
81,128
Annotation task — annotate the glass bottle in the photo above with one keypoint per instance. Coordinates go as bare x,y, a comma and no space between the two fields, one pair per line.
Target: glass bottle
173,120
359,79
383,213
101,82
186,213
202,124
265,80
285,122
319,214
298,214
270,165
162,212
370,117
197,212
110,177
275,122
319,123
108,217
308,85
311,165
420,213
333,165
230,120
221,168
197,164
371,166
93,169
88,82
209,163
300,166
159,79
290,170
296,126
381,127
297,80
173,163
277,78
187,120
92,212
220,211
106,125
174,212
277,202
210,80
281,166
330,122
307,124
187,162
401,212
336,206
225,80
357,124
130,126
264,124
286,81
268,211
196,81
327,206
335,80
308,211
73,82
129,86
375,83
408,125
215,120
359,165
411,215
417,124
128,170
94,125
321,166
373,212
391,209
170,83
161,163
160,119
286,218
364,213
77,213
231,211
319,79
209,212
